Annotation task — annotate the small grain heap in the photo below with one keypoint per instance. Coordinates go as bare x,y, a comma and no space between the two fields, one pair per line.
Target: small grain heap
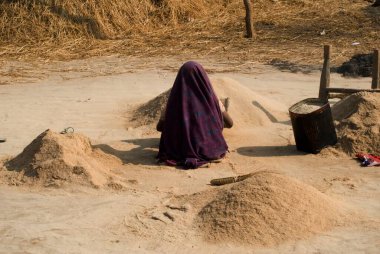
55,159
149,113
267,209
358,123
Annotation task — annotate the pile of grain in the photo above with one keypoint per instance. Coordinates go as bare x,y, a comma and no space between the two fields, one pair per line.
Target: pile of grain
267,209
246,107
358,127
54,158
149,113
306,107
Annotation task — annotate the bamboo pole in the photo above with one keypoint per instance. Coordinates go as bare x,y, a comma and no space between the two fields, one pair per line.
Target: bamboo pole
248,18
376,70
325,76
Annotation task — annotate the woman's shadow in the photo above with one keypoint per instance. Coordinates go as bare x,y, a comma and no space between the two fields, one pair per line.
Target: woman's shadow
144,154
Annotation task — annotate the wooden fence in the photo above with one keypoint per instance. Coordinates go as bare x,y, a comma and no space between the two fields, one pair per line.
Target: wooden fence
326,92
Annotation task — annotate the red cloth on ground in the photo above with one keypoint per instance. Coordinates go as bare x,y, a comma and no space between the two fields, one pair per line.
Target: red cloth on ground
368,160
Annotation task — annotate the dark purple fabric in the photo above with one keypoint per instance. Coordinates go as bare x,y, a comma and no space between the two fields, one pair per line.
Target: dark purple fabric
192,133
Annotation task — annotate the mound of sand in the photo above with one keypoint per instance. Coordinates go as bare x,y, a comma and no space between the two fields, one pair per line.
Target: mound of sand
358,127
246,107
54,158
267,209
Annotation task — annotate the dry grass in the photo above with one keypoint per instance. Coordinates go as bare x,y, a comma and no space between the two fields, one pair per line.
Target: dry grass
286,29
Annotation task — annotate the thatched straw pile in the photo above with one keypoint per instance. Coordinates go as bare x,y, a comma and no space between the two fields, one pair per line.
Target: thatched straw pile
78,28
39,20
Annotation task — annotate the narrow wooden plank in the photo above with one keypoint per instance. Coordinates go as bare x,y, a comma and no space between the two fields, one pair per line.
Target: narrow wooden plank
325,76
376,70
350,90
338,95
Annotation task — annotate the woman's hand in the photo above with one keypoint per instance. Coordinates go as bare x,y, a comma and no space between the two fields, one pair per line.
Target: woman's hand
221,106
227,120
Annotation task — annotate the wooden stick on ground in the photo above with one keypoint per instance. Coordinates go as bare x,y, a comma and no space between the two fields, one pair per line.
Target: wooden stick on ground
228,180
325,76
376,70
235,179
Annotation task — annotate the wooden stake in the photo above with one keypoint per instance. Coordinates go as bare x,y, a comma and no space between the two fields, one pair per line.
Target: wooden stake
376,70
325,76
248,18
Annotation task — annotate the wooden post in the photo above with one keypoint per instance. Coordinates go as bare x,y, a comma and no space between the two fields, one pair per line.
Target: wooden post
248,18
325,76
376,70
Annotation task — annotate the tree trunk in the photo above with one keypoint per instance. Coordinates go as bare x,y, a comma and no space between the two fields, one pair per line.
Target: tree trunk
248,18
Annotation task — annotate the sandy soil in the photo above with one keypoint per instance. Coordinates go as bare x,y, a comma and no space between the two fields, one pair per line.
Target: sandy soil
84,220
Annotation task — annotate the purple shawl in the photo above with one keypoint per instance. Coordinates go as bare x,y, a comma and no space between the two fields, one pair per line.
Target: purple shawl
192,131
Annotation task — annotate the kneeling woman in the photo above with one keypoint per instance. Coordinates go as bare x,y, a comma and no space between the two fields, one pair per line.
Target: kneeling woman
193,122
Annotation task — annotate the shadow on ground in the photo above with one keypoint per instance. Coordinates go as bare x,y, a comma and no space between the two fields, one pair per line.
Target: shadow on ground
144,154
286,66
271,117
269,151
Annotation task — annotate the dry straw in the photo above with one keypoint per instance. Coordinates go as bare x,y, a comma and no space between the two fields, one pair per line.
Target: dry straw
286,29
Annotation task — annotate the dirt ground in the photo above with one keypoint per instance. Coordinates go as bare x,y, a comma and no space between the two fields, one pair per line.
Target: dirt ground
93,96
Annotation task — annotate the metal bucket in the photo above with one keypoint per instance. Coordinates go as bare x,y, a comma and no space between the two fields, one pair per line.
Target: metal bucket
313,125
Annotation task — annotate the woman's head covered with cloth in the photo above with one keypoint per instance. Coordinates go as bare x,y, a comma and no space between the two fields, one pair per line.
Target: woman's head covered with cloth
192,132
